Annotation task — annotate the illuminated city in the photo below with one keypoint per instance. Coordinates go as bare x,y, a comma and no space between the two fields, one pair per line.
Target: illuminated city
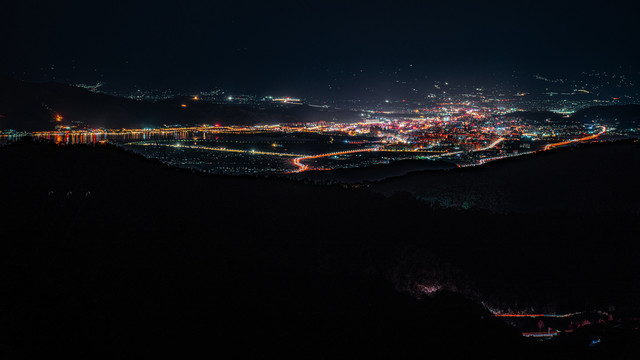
460,133
320,179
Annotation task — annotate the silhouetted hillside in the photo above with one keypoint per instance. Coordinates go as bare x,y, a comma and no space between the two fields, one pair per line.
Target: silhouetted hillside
374,172
582,178
105,253
34,106
626,116
623,116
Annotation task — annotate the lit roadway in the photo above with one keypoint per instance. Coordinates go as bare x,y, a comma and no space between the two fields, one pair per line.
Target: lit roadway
590,137
208,148
491,146
488,147
547,147
545,334
303,167
537,315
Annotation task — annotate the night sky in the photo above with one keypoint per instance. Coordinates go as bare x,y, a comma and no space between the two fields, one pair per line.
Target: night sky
310,48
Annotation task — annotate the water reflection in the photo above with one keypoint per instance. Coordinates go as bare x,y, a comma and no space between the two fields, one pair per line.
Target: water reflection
8,139
126,137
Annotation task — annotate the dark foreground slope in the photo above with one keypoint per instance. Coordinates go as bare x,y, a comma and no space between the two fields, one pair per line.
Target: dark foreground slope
373,172
600,177
107,254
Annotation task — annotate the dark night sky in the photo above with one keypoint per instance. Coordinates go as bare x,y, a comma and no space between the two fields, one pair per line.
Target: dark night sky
304,47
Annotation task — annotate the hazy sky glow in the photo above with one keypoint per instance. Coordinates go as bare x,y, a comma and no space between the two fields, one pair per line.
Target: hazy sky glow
306,47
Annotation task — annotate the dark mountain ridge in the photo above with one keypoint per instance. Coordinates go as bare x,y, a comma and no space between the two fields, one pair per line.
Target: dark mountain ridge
627,116
624,116
582,177
34,106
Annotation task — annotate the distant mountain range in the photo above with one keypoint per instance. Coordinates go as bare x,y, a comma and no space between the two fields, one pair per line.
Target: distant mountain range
40,106
35,106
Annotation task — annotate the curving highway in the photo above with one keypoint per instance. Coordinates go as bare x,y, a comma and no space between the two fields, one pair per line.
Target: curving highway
302,167
590,137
